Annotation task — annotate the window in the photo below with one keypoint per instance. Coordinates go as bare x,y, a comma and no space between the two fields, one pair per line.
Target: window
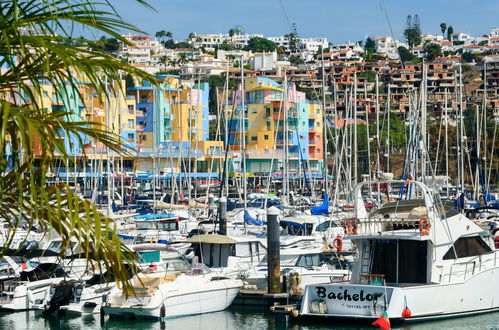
268,126
130,108
253,138
45,94
318,124
131,137
318,151
266,137
130,123
253,110
467,247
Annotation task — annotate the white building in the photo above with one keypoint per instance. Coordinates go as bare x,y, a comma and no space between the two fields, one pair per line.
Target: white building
460,36
445,45
305,44
494,32
432,37
389,46
353,46
313,44
263,61
418,51
211,41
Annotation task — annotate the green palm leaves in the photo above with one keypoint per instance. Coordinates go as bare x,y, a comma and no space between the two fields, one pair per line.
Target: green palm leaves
38,49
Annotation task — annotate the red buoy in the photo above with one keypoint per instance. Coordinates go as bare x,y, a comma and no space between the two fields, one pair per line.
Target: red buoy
406,313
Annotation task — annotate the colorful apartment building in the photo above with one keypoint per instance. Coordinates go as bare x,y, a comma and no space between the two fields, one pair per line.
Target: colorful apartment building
269,139
173,126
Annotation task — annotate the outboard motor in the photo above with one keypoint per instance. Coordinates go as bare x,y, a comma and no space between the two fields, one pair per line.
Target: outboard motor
63,295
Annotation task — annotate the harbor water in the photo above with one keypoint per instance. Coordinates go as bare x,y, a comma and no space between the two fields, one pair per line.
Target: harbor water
233,318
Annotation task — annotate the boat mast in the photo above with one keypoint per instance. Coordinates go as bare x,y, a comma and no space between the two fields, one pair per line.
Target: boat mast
355,153
286,140
243,138
388,110
423,124
446,143
324,119
226,163
461,122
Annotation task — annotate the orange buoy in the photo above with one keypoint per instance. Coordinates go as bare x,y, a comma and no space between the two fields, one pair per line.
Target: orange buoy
424,227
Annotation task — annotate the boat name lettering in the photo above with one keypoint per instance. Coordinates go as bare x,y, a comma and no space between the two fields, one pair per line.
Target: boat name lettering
322,293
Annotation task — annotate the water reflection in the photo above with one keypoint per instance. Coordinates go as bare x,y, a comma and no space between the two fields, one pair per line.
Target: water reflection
234,318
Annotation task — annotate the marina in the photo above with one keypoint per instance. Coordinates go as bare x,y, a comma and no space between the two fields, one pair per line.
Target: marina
238,180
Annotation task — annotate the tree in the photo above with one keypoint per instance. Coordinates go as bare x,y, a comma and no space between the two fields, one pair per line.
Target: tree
36,60
296,60
412,32
450,31
370,45
405,54
226,46
432,51
443,27
258,45
236,31
468,57
129,81
293,38
281,50
164,60
191,35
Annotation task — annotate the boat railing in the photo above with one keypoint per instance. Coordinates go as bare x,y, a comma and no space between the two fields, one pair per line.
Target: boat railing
461,271
374,225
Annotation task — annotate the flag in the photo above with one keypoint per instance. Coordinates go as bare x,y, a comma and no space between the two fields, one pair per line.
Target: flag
383,322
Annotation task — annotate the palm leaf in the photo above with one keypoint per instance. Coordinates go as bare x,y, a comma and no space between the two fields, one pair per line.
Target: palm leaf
37,48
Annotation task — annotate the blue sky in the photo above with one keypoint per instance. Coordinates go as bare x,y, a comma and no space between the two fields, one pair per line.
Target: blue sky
338,20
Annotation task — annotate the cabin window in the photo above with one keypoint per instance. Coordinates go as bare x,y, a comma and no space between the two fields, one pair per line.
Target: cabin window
309,261
467,247
324,226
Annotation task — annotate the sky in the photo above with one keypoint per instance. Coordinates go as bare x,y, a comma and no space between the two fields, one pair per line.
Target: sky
338,20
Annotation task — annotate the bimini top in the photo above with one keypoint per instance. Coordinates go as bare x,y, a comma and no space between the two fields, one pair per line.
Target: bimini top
211,239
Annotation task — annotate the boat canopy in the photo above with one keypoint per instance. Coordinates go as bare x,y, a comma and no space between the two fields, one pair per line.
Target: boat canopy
249,219
210,239
322,209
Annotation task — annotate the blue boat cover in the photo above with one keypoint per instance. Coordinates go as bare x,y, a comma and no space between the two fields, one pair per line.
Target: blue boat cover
249,219
318,210
291,224
153,216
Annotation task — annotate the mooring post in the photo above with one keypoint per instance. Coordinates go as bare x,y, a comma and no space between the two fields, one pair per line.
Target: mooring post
273,252
222,204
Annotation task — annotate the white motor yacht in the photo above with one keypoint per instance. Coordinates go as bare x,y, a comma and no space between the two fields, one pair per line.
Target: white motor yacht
169,293
417,260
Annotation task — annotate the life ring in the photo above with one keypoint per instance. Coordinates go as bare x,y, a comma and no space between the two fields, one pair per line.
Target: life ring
424,227
338,243
352,226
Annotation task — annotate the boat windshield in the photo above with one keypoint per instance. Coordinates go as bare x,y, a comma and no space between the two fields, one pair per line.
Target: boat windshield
145,225
303,260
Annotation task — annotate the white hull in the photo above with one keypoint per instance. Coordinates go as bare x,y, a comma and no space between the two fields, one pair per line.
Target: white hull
181,304
478,294
24,296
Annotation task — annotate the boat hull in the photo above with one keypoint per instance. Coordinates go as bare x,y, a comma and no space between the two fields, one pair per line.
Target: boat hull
178,304
478,294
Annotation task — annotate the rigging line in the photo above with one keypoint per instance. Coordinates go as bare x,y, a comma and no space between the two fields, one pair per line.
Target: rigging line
285,14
